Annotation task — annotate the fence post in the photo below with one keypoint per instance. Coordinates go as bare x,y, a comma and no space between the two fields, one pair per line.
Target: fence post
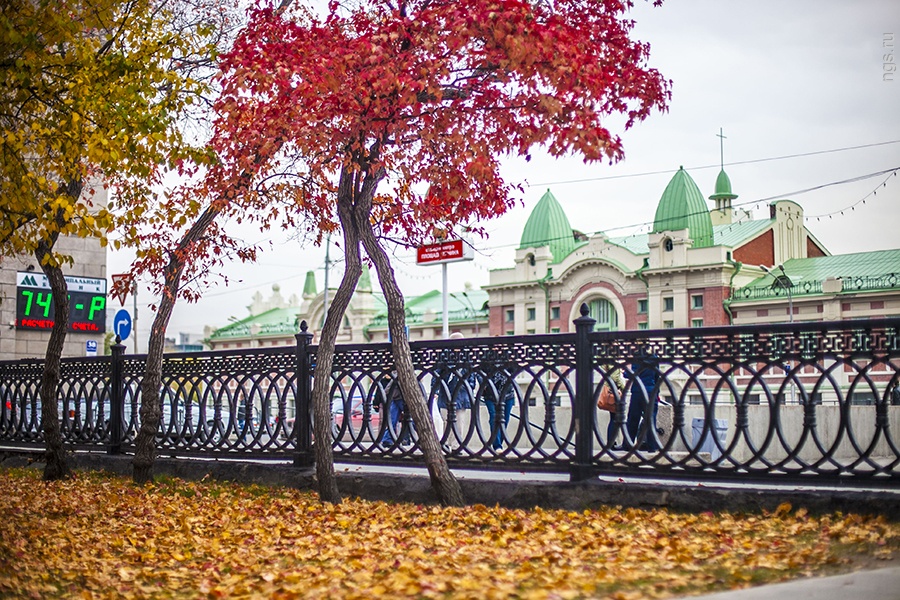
116,398
583,411
303,457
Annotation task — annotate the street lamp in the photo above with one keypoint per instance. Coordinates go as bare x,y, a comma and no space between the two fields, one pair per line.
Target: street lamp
470,306
783,282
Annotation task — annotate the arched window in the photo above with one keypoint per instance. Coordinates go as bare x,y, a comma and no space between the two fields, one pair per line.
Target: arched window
605,314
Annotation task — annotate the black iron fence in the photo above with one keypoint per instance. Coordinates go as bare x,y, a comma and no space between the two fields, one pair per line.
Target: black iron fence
794,402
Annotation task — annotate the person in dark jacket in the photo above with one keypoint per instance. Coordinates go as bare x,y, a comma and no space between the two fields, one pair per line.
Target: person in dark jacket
504,384
454,378
394,410
644,387
455,372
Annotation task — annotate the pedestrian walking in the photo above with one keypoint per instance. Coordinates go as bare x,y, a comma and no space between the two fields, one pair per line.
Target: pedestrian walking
394,410
644,389
499,396
615,377
452,390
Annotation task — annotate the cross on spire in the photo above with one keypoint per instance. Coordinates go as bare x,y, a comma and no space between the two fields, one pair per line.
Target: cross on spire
721,148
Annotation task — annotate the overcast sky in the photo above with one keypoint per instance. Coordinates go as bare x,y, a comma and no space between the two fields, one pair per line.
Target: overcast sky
780,78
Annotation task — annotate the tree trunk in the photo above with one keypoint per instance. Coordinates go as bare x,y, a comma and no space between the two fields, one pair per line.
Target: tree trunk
442,480
57,467
327,482
150,411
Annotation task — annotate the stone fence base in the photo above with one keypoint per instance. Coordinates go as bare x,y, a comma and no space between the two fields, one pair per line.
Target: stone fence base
378,486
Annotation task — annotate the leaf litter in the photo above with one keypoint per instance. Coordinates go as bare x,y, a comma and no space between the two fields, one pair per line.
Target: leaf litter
100,536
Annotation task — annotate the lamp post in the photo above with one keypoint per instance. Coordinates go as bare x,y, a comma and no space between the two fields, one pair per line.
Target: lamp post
784,282
469,305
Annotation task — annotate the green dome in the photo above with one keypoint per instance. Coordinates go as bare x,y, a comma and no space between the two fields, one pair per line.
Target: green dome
548,225
682,207
723,188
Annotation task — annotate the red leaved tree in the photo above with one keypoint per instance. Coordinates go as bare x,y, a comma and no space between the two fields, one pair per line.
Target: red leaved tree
176,232
425,93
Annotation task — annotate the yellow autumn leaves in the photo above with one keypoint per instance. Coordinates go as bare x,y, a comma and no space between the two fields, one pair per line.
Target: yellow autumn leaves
94,97
102,537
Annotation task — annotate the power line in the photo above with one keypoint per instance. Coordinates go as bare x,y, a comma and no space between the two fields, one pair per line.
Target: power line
891,172
730,164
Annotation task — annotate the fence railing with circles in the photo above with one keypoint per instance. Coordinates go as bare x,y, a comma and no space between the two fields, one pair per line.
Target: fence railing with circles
800,401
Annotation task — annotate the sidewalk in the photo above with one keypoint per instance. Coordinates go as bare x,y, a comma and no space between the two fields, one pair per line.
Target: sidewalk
883,584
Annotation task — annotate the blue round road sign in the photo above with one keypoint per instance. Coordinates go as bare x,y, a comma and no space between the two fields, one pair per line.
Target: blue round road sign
122,324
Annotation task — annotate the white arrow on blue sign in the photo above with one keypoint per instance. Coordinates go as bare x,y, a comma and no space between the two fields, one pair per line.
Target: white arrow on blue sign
122,324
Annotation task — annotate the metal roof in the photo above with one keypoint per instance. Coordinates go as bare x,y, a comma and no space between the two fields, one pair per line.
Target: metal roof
862,271
461,306
731,235
636,244
740,232
277,321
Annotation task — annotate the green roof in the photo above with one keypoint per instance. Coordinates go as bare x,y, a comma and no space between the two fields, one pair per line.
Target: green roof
682,206
636,244
461,306
731,235
723,188
548,225
739,232
861,271
277,321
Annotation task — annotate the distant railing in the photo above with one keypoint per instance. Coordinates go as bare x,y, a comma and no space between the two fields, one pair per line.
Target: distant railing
790,402
866,283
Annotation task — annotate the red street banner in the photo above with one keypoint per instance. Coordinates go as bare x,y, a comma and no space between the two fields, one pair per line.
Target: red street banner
443,252
121,289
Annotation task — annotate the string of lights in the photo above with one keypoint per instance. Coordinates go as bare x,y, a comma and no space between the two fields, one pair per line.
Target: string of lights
862,200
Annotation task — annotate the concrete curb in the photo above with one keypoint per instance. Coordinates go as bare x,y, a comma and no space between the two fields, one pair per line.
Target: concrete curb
508,493
880,584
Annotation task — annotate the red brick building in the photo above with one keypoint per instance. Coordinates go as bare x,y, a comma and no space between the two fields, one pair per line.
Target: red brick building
697,267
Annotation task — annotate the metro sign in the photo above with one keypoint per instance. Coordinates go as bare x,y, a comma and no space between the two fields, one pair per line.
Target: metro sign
444,252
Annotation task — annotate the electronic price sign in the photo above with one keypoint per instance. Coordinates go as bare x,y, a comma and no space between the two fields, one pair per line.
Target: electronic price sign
34,303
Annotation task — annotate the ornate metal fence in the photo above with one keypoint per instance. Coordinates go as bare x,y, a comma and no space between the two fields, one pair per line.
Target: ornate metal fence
800,402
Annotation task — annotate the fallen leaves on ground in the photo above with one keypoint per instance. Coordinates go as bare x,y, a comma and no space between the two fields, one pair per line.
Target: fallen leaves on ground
99,536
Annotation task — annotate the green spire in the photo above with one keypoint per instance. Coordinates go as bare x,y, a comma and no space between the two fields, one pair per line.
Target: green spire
309,286
549,226
365,280
723,195
723,188
682,207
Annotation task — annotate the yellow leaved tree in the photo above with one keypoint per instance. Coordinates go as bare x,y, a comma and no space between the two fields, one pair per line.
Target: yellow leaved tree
90,97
